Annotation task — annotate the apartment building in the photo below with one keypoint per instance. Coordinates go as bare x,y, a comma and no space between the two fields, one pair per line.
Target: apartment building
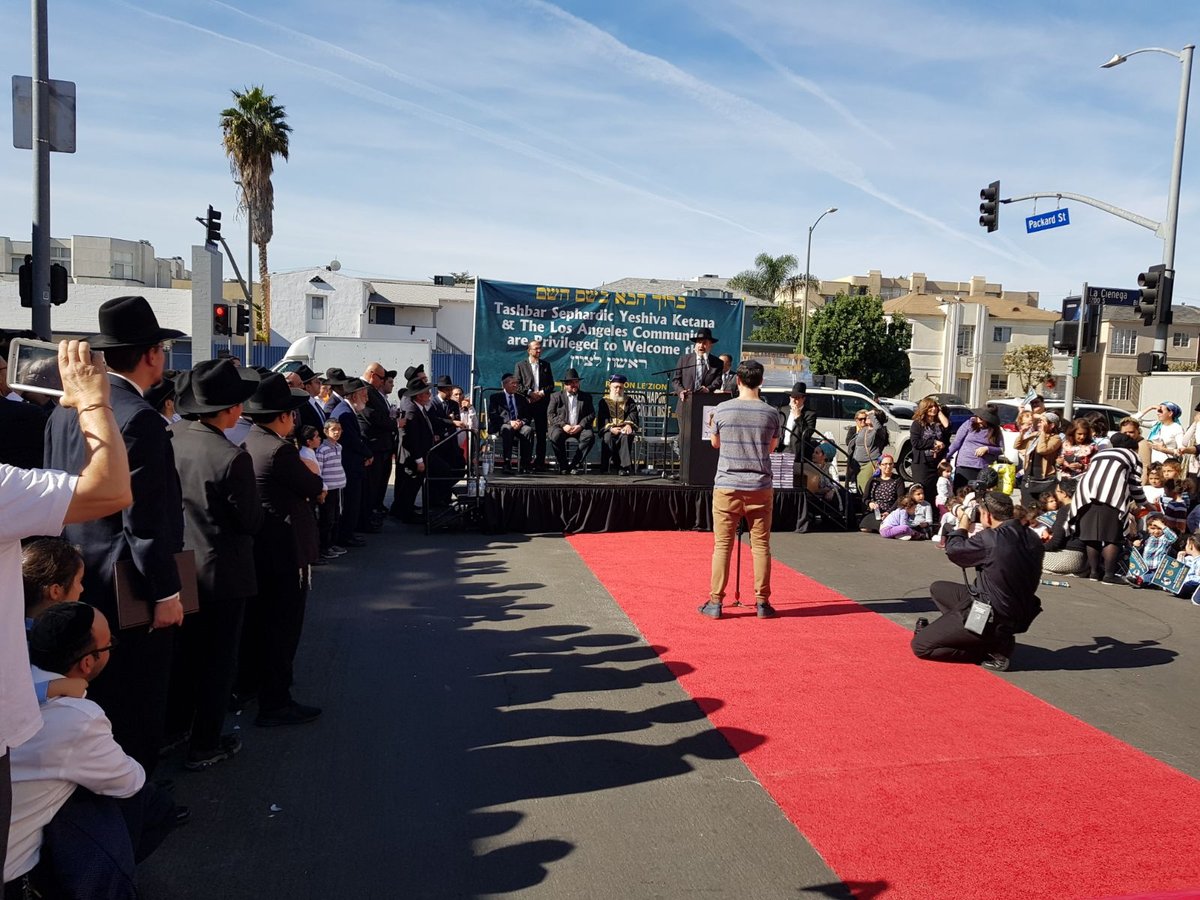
1110,375
91,259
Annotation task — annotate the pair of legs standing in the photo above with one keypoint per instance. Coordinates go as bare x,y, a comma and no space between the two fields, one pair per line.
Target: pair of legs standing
728,509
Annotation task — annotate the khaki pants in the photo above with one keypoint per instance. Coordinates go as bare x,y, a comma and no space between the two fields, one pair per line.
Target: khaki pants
729,506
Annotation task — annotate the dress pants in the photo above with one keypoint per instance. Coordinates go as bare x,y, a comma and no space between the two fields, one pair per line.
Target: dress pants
926,475
133,691
538,415
946,638
618,445
274,624
729,507
206,664
374,489
524,438
586,439
408,485
352,502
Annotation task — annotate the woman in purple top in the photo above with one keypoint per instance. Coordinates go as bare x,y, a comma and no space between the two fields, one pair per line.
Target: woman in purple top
976,446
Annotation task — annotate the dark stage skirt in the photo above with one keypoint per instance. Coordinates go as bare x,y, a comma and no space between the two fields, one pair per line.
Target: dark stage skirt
1101,524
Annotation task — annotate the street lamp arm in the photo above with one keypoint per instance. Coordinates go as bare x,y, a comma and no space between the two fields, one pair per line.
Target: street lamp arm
1121,57
1156,227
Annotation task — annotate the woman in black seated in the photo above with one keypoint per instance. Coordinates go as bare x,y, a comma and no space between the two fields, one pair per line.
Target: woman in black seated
617,422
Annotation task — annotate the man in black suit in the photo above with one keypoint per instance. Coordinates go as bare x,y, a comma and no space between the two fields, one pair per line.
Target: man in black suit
221,515
349,395
379,431
694,372
311,413
509,417
799,425
417,437
536,383
133,692
728,375
572,415
284,548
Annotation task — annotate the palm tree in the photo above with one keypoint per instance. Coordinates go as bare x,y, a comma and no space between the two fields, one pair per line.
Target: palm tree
255,132
767,278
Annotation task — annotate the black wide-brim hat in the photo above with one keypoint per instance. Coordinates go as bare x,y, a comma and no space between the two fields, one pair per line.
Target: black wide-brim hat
305,374
350,385
412,371
703,334
334,376
571,375
214,385
129,322
160,393
416,387
799,389
445,382
274,396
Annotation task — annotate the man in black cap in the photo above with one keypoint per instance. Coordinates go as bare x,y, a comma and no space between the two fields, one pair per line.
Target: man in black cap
536,382
311,413
284,549
572,415
222,513
694,373
509,417
149,531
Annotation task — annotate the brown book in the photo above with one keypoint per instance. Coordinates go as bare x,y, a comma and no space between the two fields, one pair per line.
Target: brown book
134,608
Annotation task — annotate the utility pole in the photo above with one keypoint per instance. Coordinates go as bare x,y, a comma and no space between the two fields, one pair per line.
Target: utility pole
41,172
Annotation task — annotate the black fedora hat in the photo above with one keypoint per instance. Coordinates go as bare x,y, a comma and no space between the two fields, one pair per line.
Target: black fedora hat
416,387
214,385
335,376
129,322
445,382
412,371
160,393
571,375
305,374
350,385
389,373
274,396
703,334
799,389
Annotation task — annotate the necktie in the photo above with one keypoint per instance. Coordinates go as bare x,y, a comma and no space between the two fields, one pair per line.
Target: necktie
699,369
512,407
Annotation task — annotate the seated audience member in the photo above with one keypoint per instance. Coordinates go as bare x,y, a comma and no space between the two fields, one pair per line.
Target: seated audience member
1156,546
1153,488
883,493
52,572
898,523
1100,430
510,416
922,513
1176,502
617,421
949,520
821,473
1008,559
1190,557
83,814
1065,554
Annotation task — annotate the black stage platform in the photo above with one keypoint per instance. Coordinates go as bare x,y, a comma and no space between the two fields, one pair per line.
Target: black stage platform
553,503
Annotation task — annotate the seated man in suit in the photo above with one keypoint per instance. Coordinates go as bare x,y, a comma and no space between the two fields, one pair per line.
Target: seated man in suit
571,415
509,417
617,421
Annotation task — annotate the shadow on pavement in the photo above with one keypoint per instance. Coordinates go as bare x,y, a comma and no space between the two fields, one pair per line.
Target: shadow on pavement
1104,653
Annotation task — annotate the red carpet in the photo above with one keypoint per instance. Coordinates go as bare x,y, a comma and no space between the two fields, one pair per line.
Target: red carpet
940,781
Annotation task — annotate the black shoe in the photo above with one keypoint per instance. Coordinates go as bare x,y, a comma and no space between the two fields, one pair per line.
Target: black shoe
238,702
352,542
1114,579
1095,576
712,609
229,746
174,742
996,662
181,815
625,471
292,714
921,622
765,610
369,529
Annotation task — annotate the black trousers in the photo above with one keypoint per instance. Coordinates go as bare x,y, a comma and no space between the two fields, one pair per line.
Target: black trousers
206,664
523,436
374,488
352,502
538,416
558,441
408,485
618,445
946,639
926,475
275,622
327,517
134,688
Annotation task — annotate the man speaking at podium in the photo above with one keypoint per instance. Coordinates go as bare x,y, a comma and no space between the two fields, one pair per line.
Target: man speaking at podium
694,372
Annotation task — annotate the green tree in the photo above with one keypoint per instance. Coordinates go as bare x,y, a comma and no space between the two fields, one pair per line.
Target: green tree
767,278
255,131
1030,363
849,337
777,324
463,277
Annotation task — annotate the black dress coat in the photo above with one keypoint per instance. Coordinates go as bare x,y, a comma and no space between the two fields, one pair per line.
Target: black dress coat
524,373
498,414
287,489
557,413
23,426
684,377
222,510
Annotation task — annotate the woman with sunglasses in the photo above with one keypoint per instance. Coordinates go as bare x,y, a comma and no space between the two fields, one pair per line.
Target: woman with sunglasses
929,437
1166,437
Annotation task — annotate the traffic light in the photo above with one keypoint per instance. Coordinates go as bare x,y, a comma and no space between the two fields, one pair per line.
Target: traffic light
25,281
1066,337
221,318
989,209
243,320
58,284
212,226
1157,284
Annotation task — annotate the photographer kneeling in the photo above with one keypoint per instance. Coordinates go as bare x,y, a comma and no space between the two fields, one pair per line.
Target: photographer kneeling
1008,560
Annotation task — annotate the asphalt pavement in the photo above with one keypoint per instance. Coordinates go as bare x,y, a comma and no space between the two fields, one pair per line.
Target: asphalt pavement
494,725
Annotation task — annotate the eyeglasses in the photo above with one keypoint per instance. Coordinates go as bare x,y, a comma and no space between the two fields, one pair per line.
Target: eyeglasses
112,644
860,418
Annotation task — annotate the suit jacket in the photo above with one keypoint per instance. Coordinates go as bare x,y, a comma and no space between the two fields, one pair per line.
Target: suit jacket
23,426
419,437
286,489
308,415
378,429
150,530
557,414
684,378
524,373
498,414
221,509
355,450
800,439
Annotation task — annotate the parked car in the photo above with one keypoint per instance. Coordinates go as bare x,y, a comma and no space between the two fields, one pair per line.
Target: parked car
835,411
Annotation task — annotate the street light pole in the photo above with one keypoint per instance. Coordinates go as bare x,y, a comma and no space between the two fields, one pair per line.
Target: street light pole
807,276
1171,225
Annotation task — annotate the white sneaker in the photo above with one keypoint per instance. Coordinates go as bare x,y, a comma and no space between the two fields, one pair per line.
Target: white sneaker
904,537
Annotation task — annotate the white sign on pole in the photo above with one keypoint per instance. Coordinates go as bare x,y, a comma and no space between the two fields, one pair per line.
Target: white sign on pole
61,118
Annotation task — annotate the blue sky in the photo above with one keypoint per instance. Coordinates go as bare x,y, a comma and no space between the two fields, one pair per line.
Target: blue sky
580,142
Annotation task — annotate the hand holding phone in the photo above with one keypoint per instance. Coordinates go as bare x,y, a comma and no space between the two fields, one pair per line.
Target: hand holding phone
84,375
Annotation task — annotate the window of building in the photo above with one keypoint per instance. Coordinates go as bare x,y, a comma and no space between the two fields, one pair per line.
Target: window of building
1118,387
382,315
962,387
966,339
1124,341
122,264
316,314
998,383
1181,339
1001,334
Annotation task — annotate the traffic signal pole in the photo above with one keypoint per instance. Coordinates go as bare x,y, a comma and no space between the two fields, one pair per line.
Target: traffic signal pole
1073,373
1171,225
40,237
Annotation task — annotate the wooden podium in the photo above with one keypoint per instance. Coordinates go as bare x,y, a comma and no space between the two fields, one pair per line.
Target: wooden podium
697,456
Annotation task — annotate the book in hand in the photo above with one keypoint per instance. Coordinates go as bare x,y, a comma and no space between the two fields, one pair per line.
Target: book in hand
135,607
